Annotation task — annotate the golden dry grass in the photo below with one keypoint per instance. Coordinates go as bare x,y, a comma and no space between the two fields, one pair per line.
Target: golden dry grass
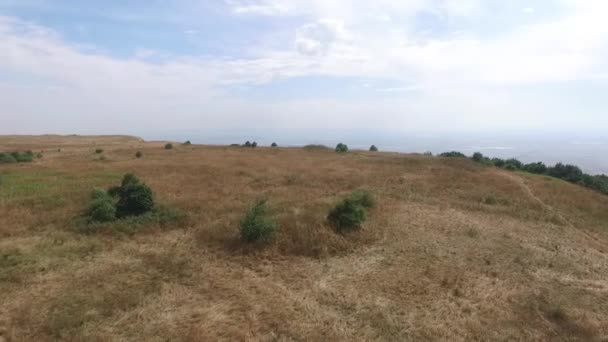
453,251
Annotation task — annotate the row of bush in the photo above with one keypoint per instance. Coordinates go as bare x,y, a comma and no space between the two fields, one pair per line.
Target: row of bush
257,225
17,157
567,172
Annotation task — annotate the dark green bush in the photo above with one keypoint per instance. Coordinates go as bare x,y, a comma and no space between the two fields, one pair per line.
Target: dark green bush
134,197
498,162
256,225
7,158
510,167
478,157
363,198
23,157
515,163
247,144
453,154
168,146
274,144
566,172
254,144
102,207
99,151
347,215
187,143
373,148
537,168
341,148
138,154
313,147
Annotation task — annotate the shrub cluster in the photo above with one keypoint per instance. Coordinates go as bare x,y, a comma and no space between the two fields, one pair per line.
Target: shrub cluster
16,157
256,225
250,144
131,198
341,148
452,154
351,212
567,172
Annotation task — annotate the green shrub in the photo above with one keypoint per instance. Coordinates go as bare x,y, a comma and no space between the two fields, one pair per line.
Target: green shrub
510,167
498,162
256,225
102,207
373,148
168,146
99,151
428,153
341,148
514,163
134,197
247,143
138,154
254,144
363,198
313,147
187,143
7,158
452,154
566,172
23,157
347,215
274,144
477,157
537,168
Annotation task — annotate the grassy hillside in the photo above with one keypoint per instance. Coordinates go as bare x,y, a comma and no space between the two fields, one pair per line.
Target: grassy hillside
452,251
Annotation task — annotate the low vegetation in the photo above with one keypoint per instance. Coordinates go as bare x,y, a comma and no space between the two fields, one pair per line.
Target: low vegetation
99,151
341,148
452,154
168,146
187,143
351,212
16,157
138,154
256,225
373,148
411,256
274,144
567,172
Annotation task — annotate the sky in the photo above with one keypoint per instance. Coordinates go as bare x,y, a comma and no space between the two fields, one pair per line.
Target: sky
305,68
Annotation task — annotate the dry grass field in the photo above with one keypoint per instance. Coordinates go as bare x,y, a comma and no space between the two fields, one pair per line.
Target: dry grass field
453,251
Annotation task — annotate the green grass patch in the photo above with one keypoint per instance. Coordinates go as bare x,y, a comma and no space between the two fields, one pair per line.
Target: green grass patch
162,217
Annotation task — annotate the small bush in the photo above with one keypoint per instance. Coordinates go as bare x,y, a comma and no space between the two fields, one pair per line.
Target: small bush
254,144
247,144
102,207
477,157
537,168
428,153
363,198
23,157
515,163
168,146
274,144
135,197
347,215
498,162
256,225
313,147
373,148
7,158
510,167
138,154
341,148
187,143
452,154
99,151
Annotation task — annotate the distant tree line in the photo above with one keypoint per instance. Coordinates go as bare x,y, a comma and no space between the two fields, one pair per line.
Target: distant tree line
567,172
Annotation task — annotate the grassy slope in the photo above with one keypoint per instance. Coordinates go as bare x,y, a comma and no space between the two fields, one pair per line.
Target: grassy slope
454,251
